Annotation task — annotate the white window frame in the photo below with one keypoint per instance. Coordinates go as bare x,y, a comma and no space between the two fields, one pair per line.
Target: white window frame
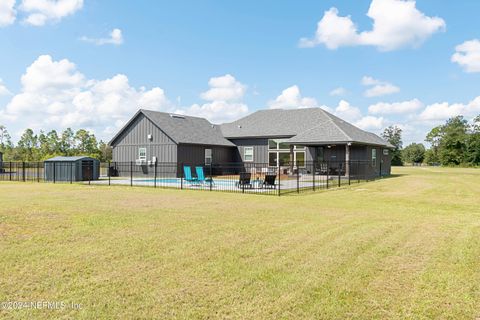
245,154
144,151
208,157
385,152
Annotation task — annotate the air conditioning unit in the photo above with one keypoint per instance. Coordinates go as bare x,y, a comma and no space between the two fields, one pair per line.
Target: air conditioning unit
140,162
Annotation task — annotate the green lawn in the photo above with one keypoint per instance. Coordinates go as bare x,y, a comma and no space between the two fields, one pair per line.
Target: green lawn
403,247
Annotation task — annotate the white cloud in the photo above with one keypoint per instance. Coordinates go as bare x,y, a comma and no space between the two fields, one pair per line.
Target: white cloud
370,123
7,12
467,55
115,38
340,91
55,94
444,111
347,112
39,12
224,100
396,107
379,88
3,89
292,98
396,24
224,88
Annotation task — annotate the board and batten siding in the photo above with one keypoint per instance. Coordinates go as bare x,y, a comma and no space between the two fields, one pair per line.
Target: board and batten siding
195,154
135,136
260,149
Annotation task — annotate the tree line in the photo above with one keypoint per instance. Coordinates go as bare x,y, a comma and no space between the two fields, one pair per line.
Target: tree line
42,146
455,143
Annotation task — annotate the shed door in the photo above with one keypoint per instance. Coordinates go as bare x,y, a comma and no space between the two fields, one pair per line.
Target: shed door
87,170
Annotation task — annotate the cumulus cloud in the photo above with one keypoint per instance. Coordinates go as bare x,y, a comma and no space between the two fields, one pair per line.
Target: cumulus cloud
55,94
371,123
340,91
39,12
443,111
224,88
467,55
3,89
378,88
292,98
403,107
115,38
7,12
223,100
396,24
347,112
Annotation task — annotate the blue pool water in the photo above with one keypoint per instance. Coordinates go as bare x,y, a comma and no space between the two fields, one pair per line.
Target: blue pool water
178,181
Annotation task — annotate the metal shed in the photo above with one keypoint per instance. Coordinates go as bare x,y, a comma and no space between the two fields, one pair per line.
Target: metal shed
79,168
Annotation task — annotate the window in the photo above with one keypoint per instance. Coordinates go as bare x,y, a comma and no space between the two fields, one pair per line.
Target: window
142,154
279,153
374,157
208,156
248,154
385,152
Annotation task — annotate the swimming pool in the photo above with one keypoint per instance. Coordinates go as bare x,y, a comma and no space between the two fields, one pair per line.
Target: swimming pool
178,181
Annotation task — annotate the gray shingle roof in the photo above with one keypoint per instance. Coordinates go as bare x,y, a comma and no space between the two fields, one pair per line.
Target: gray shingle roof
68,159
186,129
307,126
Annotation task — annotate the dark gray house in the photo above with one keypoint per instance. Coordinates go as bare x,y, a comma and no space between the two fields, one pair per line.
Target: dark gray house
285,138
72,169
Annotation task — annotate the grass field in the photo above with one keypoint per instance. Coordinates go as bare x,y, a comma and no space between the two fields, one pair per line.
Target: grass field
403,247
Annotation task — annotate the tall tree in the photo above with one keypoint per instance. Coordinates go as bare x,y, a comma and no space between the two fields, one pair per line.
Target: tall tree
473,146
453,142
28,145
86,142
393,135
67,142
414,153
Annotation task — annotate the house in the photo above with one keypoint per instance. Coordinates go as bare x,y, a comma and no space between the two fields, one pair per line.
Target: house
1,163
280,138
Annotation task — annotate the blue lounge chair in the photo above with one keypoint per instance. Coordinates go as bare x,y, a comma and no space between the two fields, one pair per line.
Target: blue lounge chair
201,176
187,175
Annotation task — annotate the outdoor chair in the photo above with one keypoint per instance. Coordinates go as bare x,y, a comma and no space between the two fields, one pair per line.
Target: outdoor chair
269,181
244,180
201,176
187,176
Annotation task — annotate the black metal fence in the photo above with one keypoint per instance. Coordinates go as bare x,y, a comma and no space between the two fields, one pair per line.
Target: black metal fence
246,177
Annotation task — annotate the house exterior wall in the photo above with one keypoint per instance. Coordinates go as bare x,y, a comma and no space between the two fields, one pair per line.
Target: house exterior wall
135,136
260,149
195,154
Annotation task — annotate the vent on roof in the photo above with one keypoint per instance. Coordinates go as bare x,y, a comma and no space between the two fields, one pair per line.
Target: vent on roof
177,116
239,127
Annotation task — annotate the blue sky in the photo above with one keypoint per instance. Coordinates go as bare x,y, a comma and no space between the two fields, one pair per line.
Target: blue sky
60,65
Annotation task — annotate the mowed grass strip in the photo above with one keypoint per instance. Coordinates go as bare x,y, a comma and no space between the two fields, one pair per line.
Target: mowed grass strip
402,247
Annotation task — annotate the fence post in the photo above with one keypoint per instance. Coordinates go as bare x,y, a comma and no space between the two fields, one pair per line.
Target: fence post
211,179
279,179
181,176
328,173
10,173
313,174
71,172
38,171
54,171
298,179
339,175
155,175
23,171
131,173
349,171
109,177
